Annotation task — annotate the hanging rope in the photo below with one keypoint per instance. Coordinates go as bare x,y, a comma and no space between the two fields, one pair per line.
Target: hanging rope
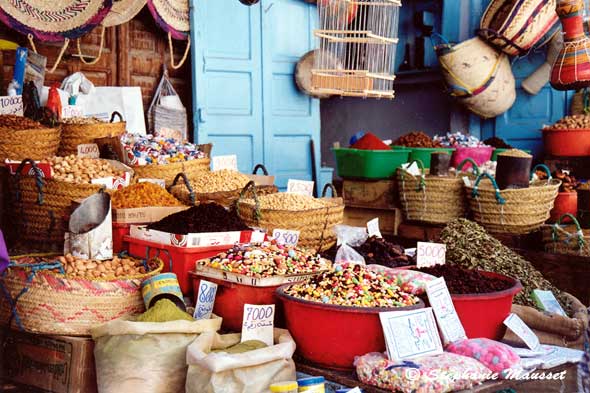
82,56
59,57
171,48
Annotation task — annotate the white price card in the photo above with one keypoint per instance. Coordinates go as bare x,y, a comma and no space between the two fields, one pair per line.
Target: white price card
11,105
412,169
444,310
69,111
430,254
286,237
410,334
518,327
205,300
160,182
225,162
88,150
373,227
258,323
466,181
303,187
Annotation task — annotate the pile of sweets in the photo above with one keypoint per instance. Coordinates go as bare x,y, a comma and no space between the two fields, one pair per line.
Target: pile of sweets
457,139
149,149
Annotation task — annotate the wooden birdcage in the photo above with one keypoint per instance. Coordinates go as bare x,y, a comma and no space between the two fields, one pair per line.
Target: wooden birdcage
357,39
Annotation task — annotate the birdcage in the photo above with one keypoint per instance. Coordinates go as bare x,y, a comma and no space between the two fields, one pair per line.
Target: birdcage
357,43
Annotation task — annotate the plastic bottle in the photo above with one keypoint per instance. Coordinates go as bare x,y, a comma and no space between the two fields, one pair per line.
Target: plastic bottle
284,387
312,385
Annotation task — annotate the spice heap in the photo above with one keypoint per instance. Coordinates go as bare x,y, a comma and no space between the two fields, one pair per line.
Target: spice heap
568,182
17,123
496,142
143,195
370,142
515,153
223,180
470,246
352,285
164,311
245,346
267,259
116,268
457,139
207,217
73,169
571,123
149,149
466,281
416,139
378,251
287,201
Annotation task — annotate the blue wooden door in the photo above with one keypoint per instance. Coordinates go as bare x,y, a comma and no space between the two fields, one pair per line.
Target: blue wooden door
291,119
227,84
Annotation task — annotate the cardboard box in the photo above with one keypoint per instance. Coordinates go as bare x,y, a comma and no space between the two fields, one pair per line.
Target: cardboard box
144,215
195,239
389,220
58,364
381,194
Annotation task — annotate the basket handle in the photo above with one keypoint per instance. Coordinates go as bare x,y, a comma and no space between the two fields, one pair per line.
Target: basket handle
260,166
473,164
579,232
489,34
331,187
38,179
251,187
422,183
147,257
475,192
116,113
545,168
191,192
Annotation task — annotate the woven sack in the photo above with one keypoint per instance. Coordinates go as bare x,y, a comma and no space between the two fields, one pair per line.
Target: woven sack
160,116
36,298
515,211
433,199
74,134
36,143
478,76
566,239
315,226
515,26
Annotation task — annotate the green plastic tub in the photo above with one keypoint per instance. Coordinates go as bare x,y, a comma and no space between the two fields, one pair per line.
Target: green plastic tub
498,151
369,164
423,153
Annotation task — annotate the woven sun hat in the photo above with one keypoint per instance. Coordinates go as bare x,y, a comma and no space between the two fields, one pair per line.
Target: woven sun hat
55,20
172,16
123,11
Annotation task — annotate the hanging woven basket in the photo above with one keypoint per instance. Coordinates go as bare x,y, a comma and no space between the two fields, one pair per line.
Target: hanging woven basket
173,17
123,11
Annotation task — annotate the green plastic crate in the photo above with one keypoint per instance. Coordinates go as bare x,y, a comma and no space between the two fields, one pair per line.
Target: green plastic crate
369,164
423,153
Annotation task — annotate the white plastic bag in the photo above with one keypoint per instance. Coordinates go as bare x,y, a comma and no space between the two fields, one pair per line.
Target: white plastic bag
248,372
349,237
146,357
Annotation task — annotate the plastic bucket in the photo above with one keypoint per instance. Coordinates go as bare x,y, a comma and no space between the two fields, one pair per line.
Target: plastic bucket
480,155
369,164
566,202
567,143
331,336
483,314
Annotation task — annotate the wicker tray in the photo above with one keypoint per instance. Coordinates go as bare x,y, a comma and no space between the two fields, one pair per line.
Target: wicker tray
77,134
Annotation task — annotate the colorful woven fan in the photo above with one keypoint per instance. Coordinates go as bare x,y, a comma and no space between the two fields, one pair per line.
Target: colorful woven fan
173,17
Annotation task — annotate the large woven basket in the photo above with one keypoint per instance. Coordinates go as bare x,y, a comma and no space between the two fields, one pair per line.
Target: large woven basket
566,239
513,211
315,226
169,171
78,134
35,143
515,26
433,199
36,298
478,76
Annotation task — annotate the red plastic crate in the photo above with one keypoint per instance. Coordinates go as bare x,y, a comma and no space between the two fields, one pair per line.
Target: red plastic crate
178,260
119,232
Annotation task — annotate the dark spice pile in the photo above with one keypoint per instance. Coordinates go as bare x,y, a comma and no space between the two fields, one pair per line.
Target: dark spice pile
207,217
416,139
465,281
381,252
498,143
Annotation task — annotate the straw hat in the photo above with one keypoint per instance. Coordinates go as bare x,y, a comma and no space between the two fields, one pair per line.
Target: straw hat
54,20
172,16
123,11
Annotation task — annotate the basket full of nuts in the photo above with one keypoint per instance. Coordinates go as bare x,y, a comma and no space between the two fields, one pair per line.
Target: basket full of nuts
22,138
66,295
569,137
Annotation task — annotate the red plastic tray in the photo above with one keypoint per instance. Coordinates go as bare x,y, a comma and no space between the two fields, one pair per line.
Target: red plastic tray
119,232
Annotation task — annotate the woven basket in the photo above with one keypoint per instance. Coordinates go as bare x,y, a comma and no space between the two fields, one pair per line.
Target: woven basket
433,199
73,135
36,299
315,226
36,143
566,239
516,26
168,172
478,76
514,211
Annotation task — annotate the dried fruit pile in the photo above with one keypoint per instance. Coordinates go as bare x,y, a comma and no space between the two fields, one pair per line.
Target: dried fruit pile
143,195
466,281
379,251
416,139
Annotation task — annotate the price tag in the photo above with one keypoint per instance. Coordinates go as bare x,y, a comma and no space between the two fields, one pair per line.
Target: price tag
413,169
373,227
444,310
410,334
88,150
518,327
69,111
205,300
225,162
430,254
258,323
466,181
286,237
302,187
11,105
160,182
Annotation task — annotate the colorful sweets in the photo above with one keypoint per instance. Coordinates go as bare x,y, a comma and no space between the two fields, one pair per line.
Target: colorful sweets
149,149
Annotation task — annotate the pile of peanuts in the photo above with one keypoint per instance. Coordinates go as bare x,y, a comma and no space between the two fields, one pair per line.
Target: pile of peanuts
143,195
571,122
222,180
287,201
14,122
116,268
73,169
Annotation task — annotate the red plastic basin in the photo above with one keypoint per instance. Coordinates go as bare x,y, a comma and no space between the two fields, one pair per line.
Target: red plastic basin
331,336
231,297
119,232
483,314
480,155
567,143
566,202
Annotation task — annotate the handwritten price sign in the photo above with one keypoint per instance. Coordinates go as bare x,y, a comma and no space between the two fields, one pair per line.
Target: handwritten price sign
69,111
258,323
205,300
225,162
302,187
430,254
11,105
285,237
88,150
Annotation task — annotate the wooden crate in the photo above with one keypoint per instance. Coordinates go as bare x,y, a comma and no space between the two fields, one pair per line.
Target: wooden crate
389,220
380,194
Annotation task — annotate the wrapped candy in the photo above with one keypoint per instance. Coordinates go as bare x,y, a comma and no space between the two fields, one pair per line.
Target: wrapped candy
149,149
454,139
